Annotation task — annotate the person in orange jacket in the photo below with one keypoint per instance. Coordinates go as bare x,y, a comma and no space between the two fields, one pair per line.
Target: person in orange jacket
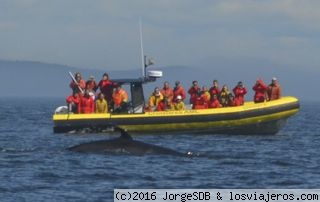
274,90
193,91
73,102
178,90
120,99
205,96
79,85
86,104
260,89
167,91
239,93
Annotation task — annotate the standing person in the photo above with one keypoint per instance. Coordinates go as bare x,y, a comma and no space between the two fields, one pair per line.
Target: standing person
178,90
78,85
239,93
224,96
101,104
91,84
106,87
260,89
193,91
214,90
86,104
73,102
167,91
120,99
274,90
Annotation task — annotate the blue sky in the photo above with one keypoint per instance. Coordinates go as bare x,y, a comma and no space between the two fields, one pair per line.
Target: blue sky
103,34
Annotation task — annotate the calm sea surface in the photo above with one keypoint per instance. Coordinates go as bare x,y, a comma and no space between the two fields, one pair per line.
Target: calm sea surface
34,165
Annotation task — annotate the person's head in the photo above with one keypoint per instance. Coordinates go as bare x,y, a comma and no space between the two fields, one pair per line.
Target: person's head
87,93
101,96
166,85
215,96
225,88
195,83
177,83
179,98
240,84
91,78
231,96
215,83
156,91
204,88
105,76
274,80
75,94
77,76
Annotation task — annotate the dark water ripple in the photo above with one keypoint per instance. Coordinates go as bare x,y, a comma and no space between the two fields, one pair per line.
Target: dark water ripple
36,167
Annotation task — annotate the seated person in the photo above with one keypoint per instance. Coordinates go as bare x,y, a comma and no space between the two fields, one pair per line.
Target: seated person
73,102
120,100
200,101
215,102
232,101
155,99
101,104
164,105
86,104
179,104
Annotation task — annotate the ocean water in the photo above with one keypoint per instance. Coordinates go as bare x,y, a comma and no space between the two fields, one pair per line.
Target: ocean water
35,165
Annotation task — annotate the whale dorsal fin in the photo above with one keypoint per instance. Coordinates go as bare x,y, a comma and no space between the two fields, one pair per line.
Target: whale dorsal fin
124,134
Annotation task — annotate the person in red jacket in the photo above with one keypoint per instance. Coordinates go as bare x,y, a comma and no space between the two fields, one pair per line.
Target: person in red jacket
73,102
214,90
86,104
274,90
260,89
239,93
79,85
193,91
106,87
167,91
215,102
178,90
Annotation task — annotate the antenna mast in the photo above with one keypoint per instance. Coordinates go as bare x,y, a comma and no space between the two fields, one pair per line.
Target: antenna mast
142,53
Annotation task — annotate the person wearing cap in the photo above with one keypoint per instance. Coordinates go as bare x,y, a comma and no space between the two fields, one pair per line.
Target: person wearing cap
106,87
78,85
178,90
155,99
120,99
179,104
239,93
274,90
260,89
91,84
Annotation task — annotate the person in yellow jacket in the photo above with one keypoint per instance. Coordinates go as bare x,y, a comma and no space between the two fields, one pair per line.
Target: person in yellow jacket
179,104
155,99
101,104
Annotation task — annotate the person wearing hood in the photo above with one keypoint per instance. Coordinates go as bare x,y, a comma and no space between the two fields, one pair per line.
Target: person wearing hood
260,89
239,93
